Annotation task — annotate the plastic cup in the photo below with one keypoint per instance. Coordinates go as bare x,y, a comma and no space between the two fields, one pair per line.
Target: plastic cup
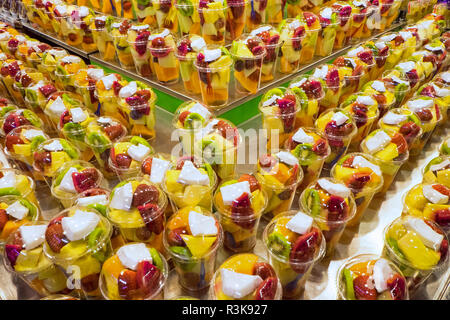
414,11
339,141
401,90
357,30
235,20
188,18
309,99
44,277
88,93
74,36
213,20
195,272
25,186
83,265
165,64
105,44
142,60
110,279
240,230
415,274
214,95
291,63
326,38
246,260
363,196
344,13
189,74
332,224
309,43
255,14
50,66
276,9
345,278
123,51
293,273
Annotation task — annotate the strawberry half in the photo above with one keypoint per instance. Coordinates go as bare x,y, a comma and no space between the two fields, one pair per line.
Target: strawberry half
148,277
152,217
127,284
364,288
242,212
397,286
303,250
54,235
267,289
85,180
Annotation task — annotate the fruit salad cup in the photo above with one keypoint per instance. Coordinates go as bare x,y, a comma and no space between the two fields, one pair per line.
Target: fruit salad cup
279,108
78,240
429,115
49,60
217,144
443,79
31,52
363,109
279,175
292,34
409,71
240,202
51,154
189,183
276,9
17,118
438,170
24,256
81,20
213,64
255,14
154,167
58,103
73,178
309,91
137,105
101,134
362,175
16,183
437,50
248,53
404,122
191,238
36,98
137,38
329,22
190,118
126,156
334,83
390,149
331,204
212,21
188,17
137,208
72,127
440,94
20,145
369,277
429,201
9,69
380,53
66,69
313,29
134,272
358,29
108,88
101,30
188,48
245,277
294,244
384,98
166,14
15,211
426,64
60,20
338,127
236,17
162,46
271,38
84,83
344,12
119,30
417,246
399,86
311,149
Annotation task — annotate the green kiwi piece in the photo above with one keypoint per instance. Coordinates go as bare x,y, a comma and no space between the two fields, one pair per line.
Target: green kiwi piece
349,290
193,120
303,152
278,244
156,258
313,202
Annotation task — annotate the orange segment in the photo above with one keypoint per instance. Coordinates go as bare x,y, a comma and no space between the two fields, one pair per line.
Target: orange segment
241,263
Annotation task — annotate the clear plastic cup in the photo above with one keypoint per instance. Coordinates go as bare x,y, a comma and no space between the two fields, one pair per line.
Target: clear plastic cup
255,14
327,36
123,51
364,182
212,22
186,55
188,18
291,50
235,20
399,86
292,270
32,266
330,212
357,30
195,270
240,224
309,91
276,8
24,186
414,12
401,243
140,51
344,12
114,285
361,267
165,62
269,289
272,43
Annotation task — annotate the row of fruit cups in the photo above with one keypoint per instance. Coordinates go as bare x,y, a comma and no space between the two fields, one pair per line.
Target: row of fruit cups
218,21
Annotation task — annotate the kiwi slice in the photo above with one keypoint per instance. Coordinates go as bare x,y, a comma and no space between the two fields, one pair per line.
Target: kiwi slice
5,110
394,246
138,140
399,91
302,97
36,141
98,141
182,251
99,207
32,212
348,101
436,160
74,131
193,120
156,258
272,92
313,202
279,245
350,291
68,149
185,7
303,152
32,117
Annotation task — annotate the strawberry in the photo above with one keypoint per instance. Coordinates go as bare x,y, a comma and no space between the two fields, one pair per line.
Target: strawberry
264,270
409,130
413,77
320,147
90,282
152,217
3,218
344,14
123,161
146,166
257,50
141,42
65,118
358,180
183,117
54,235
267,289
145,194
47,90
442,217
304,249
424,114
267,161
274,39
309,18
127,284
348,163
148,277
333,79
114,131
399,140
337,208
364,288
287,112
11,140
441,189
443,249
181,160
381,99
228,132
428,91
313,89
254,184
174,237
116,87
85,180
366,56
13,68
397,286
297,38
12,253
135,101
360,114
10,123
242,212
